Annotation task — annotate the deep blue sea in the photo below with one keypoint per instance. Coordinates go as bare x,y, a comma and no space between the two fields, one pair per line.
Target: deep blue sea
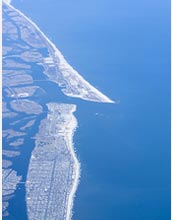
123,49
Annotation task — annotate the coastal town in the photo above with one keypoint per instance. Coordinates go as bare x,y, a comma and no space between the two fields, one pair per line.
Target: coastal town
52,167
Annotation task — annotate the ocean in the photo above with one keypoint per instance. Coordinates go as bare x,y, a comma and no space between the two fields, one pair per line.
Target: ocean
123,49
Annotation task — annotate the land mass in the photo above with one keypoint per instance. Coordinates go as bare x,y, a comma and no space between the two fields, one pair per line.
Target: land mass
53,170
29,57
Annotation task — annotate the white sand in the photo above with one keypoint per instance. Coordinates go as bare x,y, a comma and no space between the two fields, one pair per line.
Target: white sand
69,139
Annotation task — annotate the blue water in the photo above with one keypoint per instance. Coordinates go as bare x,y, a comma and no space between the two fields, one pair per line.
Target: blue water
123,48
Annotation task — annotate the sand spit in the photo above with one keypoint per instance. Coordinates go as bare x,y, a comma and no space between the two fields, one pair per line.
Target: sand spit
74,85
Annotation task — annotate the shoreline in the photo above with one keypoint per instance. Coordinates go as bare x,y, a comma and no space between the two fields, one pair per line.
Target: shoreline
64,66
77,170
69,132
